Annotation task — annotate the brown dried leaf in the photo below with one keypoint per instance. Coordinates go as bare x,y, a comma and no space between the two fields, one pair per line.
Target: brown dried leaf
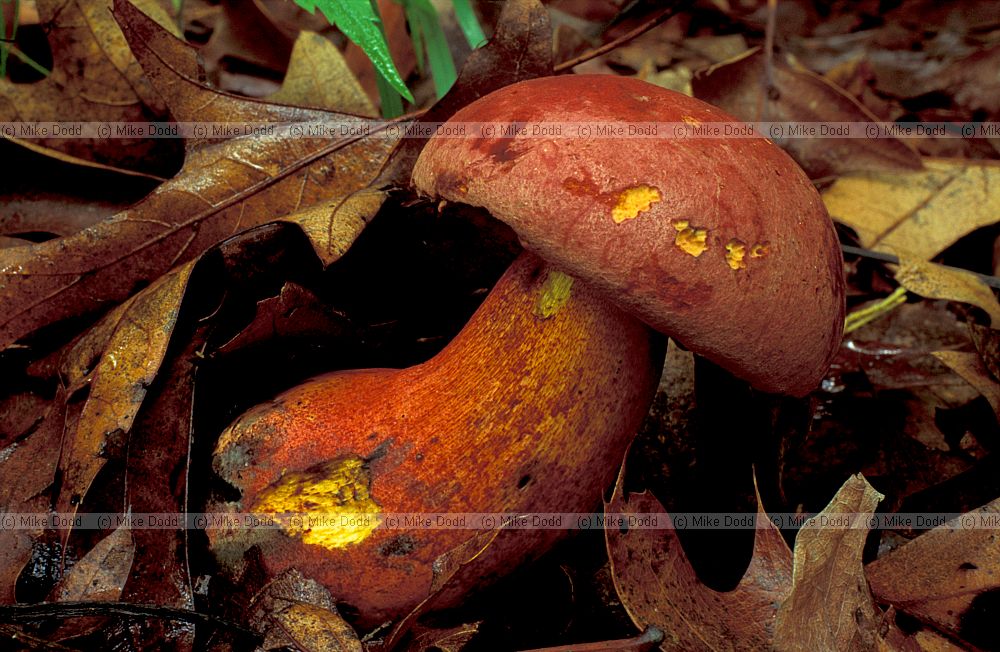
658,586
938,576
318,76
738,87
128,363
223,189
917,214
293,611
27,468
830,606
451,639
100,576
971,367
94,77
933,281
102,572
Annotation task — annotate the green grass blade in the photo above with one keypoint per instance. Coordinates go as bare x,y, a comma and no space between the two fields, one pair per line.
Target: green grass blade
359,22
469,23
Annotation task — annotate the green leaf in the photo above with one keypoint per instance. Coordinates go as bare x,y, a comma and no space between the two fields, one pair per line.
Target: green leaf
422,15
359,22
467,20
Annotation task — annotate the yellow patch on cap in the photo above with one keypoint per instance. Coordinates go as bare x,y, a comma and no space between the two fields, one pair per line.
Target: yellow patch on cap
691,240
555,293
329,505
760,250
633,201
736,253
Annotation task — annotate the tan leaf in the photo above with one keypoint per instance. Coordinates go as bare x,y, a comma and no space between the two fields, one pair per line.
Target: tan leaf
94,77
934,281
102,572
333,225
830,606
658,586
972,369
937,576
318,76
293,611
918,214
127,366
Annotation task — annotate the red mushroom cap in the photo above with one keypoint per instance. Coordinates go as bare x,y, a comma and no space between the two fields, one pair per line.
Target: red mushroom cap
721,243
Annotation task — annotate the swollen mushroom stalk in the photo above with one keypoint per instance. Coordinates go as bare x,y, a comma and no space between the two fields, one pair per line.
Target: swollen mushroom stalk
723,244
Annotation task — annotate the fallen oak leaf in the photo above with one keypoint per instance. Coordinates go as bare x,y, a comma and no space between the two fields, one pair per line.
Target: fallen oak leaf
319,76
222,189
738,86
94,77
917,214
973,370
129,362
830,606
933,281
294,611
939,576
99,576
659,587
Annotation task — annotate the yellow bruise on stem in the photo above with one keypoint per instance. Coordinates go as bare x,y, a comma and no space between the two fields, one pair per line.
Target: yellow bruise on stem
329,505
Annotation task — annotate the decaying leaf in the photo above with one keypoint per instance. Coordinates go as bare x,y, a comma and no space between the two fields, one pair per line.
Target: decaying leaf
738,86
934,281
971,368
917,214
94,77
318,76
293,611
450,639
224,188
126,367
830,606
939,576
659,587
102,572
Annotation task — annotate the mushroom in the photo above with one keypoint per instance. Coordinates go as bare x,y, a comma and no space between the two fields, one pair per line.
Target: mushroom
723,244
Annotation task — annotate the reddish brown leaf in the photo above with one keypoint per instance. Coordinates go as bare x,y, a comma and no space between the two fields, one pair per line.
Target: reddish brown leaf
659,587
738,86
830,607
938,576
223,189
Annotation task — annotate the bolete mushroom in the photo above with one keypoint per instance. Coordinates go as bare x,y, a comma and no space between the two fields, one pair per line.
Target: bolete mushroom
723,244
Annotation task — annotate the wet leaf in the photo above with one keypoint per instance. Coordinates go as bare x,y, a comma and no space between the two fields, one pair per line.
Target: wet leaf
738,86
659,587
96,78
939,282
917,214
830,606
939,576
223,188
319,76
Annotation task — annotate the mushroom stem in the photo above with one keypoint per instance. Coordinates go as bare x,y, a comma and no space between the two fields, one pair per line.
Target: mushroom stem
528,409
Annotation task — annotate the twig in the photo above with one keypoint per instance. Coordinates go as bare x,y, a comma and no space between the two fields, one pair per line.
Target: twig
991,281
621,40
85,609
